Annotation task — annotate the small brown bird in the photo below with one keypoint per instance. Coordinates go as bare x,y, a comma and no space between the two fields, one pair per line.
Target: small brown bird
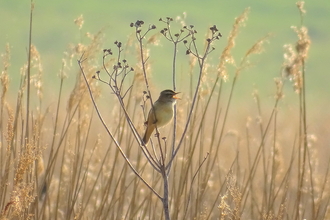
164,111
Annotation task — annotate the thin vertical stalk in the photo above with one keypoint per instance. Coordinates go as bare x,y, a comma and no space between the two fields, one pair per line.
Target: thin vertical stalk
28,78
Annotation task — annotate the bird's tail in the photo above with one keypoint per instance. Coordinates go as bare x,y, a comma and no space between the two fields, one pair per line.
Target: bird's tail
147,134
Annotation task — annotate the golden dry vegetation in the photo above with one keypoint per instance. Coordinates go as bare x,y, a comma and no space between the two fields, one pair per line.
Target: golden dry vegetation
82,157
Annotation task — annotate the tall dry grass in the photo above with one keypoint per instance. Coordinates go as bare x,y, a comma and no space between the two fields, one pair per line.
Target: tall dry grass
218,160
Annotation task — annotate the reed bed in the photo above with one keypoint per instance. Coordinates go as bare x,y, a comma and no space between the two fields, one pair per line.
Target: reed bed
82,157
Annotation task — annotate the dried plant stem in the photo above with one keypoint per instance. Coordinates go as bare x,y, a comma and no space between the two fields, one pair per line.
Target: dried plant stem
302,138
28,88
110,133
257,157
192,181
201,59
161,164
175,49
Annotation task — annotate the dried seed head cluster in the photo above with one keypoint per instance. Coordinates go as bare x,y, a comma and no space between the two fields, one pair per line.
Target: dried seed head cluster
4,73
37,78
205,90
279,86
231,210
294,57
10,127
224,207
63,75
167,20
137,24
26,160
257,48
21,198
116,70
181,35
78,94
300,6
212,36
79,21
118,44
226,56
303,43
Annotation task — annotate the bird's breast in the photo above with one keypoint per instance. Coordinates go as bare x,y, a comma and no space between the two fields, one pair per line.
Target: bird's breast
164,114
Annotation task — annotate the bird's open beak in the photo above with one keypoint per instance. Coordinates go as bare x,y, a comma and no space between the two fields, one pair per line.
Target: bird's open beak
175,97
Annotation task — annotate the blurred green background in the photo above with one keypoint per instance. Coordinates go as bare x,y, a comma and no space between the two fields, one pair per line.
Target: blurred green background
54,30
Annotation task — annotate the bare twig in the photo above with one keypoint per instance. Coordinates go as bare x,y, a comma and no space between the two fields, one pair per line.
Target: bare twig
110,133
